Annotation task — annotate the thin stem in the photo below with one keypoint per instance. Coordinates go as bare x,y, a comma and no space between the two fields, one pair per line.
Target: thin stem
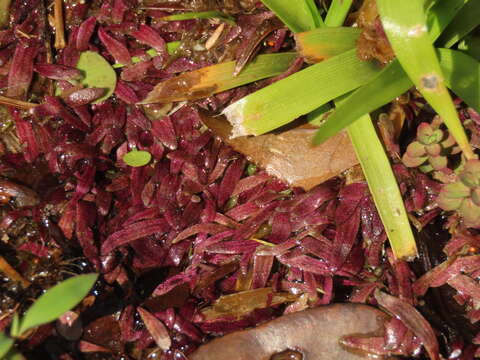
17,103
59,26
11,273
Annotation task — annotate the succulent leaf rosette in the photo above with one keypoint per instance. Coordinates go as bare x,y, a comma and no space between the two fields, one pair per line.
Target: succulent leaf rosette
431,149
464,194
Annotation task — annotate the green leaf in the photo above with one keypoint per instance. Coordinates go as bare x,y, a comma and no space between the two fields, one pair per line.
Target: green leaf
467,19
320,44
298,94
337,12
298,17
14,355
6,344
15,327
213,79
200,15
392,81
471,45
383,187
405,26
4,12
97,73
317,116
462,75
137,158
57,300
441,14
317,18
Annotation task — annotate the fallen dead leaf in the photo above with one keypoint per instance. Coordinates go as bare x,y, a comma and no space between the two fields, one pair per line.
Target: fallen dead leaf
290,155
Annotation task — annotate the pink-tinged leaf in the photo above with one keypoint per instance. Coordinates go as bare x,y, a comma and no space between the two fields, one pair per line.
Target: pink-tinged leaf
119,51
83,96
249,183
156,329
466,285
85,32
126,93
412,319
58,72
147,35
21,71
164,131
134,232
209,228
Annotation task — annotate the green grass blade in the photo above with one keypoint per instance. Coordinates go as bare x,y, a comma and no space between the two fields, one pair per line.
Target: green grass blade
405,25
298,94
57,300
317,18
337,12
462,75
217,78
200,15
392,81
441,14
323,43
298,17
317,116
383,187
467,19
6,343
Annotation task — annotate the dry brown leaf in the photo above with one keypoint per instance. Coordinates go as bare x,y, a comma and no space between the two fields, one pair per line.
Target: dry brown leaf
290,155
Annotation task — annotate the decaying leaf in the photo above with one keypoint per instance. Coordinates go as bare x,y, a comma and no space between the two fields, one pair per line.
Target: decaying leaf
289,155
240,304
314,333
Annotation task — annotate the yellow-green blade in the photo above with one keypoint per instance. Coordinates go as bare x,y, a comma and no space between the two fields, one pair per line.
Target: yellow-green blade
337,12
200,15
323,43
383,187
298,94
405,25
213,79
301,16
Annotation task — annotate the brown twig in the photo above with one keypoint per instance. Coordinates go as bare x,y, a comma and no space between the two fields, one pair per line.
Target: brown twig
8,270
59,28
17,103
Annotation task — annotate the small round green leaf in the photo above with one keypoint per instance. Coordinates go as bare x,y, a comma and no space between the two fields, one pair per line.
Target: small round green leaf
57,300
98,73
137,158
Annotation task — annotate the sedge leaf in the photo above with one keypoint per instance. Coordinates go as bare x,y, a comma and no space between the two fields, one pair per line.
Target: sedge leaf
337,12
15,326
299,17
392,80
441,14
462,75
6,344
14,355
383,187
98,73
137,158
467,19
317,18
405,26
216,78
57,300
298,94
471,46
200,15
